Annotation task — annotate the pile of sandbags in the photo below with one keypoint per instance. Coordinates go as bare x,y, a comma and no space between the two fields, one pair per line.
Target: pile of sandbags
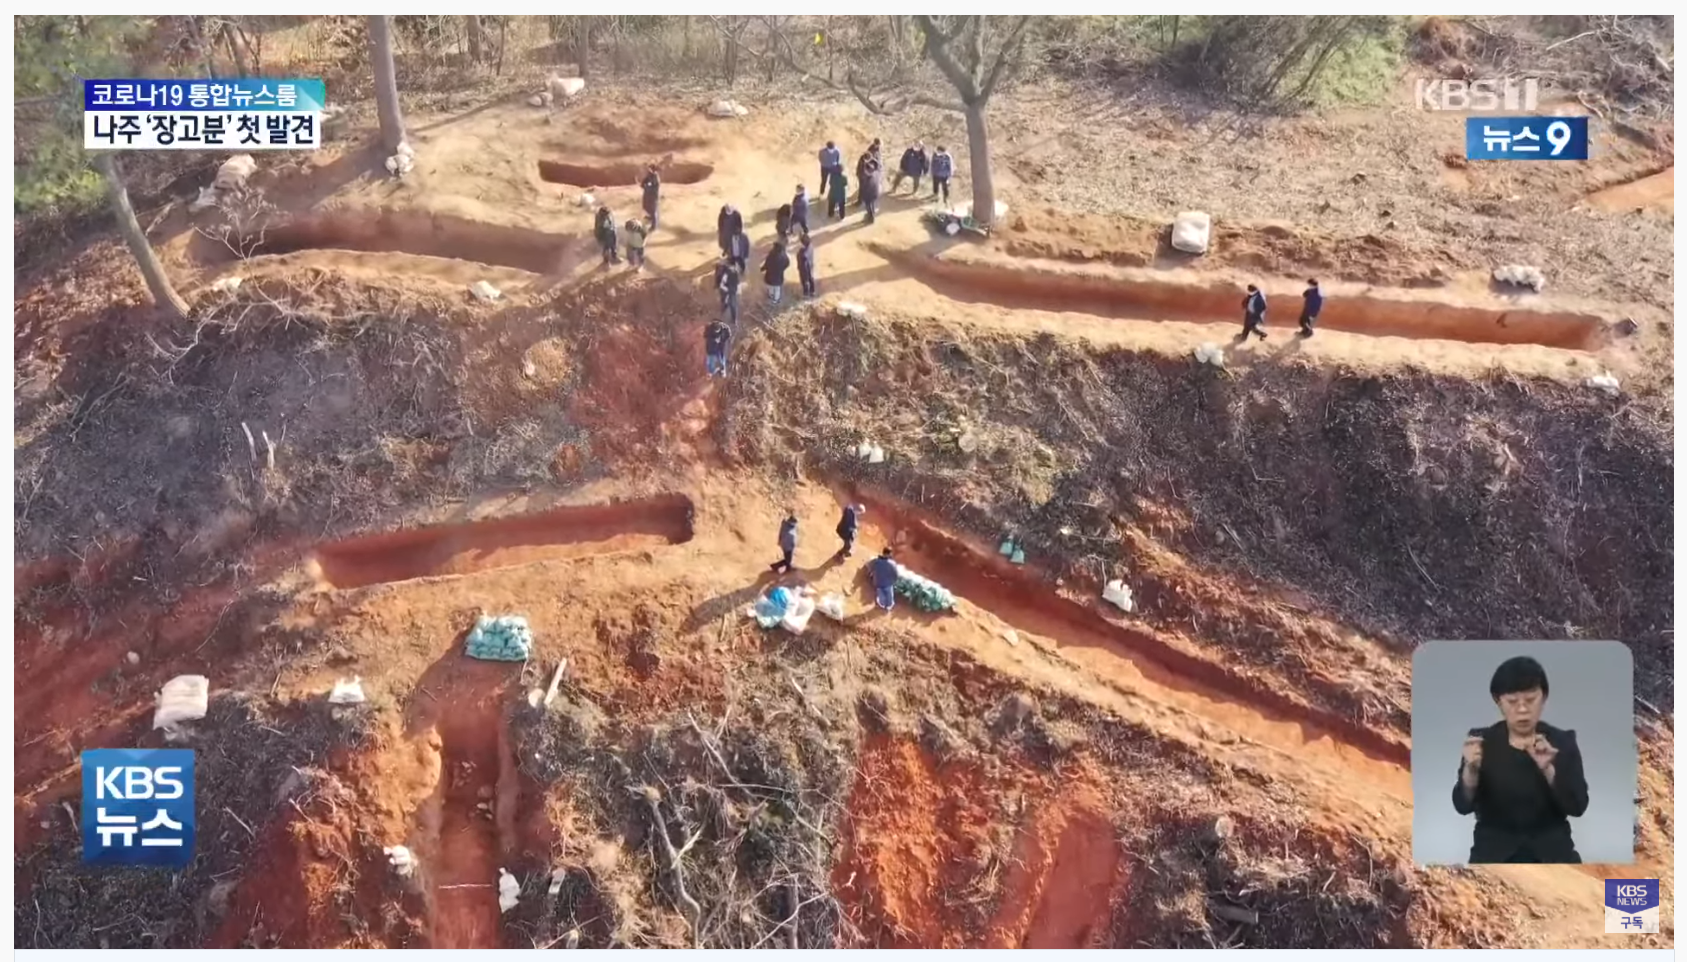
787,608
505,638
925,594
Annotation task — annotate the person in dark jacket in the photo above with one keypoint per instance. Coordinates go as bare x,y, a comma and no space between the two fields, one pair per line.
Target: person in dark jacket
773,270
914,164
871,184
831,162
848,526
942,168
869,156
652,185
885,574
805,267
1521,777
787,543
799,210
738,246
837,196
608,238
729,223
727,280
1312,302
1253,313
782,221
717,337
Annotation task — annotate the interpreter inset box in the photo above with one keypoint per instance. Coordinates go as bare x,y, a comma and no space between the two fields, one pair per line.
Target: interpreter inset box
1523,752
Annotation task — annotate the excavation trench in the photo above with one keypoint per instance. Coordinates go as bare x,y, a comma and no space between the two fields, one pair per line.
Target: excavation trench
387,231
621,175
1139,659
464,548
1155,300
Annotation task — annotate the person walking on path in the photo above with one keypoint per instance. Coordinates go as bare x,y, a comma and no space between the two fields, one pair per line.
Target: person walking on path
805,267
1253,313
1312,303
787,543
914,164
727,280
837,195
773,270
942,168
739,248
729,223
782,220
848,526
717,337
831,162
652,185
608,238
635,244
885,575
799,210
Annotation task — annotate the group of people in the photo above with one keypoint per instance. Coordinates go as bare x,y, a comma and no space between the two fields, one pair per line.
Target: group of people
869,176
608,234
1253,310
882,570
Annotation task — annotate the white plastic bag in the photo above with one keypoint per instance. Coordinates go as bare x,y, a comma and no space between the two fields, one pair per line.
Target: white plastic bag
509,891
1118,594
798,614
1192,232
832,606
1604,382
401,860
234,171
183,698
1209,353
852,309
876,455
485,292
347,692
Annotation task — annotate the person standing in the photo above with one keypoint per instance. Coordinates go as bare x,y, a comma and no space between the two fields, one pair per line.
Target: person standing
730,223
837,195
805,267
739,247
717,337
608,238
799,210
871,183
942,168
773,270
885,575
782,220
635,244
652,185
727,280
831,162
914,164
848,526
1253,313
787,543
1312,301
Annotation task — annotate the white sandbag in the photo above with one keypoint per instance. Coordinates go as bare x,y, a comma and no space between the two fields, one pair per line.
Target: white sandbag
852,309
726,108
509,891
405,150
1210,353
585,200
832,606
401,163
798,614
401,859
347,692
1192,231
206,200
876,456
1520,275
234,171
485,292
564,87
227,285
183,698
1118,594
1604,382
537,100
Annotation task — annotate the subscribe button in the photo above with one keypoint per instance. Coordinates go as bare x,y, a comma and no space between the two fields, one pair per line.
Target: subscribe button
1631,905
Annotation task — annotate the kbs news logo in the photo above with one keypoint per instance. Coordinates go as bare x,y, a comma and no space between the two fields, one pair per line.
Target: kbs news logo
1479,96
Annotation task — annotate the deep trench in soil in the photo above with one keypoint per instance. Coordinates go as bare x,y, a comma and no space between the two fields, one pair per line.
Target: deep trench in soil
463,548
621,174
469,821
406,232
1151,300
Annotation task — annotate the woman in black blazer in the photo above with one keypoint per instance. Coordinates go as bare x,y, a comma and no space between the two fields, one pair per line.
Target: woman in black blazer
1522,777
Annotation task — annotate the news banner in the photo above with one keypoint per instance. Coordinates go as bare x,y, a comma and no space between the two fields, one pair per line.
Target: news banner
243,115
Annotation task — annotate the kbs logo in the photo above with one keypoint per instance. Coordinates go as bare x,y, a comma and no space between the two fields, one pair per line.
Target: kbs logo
137,807
1631,905
1479,96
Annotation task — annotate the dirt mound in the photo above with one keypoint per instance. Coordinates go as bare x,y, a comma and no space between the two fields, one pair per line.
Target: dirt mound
621,175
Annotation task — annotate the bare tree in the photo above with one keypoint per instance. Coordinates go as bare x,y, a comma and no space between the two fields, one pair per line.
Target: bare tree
163,292
386,82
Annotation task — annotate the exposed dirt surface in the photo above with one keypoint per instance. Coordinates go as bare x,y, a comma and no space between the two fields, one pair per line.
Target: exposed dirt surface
333,470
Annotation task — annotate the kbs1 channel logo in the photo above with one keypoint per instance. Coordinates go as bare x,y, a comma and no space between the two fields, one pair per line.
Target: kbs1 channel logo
137,807
1631,905
1527,135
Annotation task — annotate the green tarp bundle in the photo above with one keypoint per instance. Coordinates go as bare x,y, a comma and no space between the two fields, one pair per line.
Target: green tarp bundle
925,594
505,638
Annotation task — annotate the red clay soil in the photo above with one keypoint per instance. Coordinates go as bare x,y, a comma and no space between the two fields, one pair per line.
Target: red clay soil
914,837
621,174
405,232
1065,874
455,549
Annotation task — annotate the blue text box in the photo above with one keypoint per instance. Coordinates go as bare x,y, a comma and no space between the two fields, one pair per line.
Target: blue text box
281,94
137,807
1525,138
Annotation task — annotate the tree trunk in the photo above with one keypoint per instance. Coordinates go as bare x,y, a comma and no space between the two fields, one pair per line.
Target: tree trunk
386,83
582,44
163,292
477,38
978,162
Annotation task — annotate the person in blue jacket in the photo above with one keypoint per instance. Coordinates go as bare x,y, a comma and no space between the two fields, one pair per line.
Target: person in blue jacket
914,164
799,210
787,543
1253,313
942,168
885,575
1312,303
831,162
